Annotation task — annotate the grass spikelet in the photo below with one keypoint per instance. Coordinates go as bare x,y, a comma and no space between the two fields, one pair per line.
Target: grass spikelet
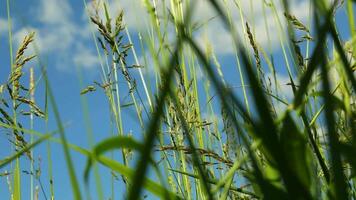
296,23
254,46
20,61
89,88
23,46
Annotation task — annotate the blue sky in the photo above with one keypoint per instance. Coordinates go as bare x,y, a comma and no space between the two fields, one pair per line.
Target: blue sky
66,46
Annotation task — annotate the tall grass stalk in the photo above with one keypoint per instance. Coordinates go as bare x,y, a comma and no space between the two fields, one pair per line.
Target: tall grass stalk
17,176
204,134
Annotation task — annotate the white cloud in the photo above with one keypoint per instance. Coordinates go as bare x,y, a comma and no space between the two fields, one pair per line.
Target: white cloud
86,58
60,32
137,19
221,39
61,35
54,12
135,14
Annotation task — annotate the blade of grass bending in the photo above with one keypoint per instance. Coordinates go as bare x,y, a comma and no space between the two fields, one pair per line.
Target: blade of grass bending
244,56
225,192
142,165
315,147
339,186
117,142
269,190
129,173
184,186
48,147
267,131
291,181
314,61
89,132
295,142
345,62
308,128
74,182
71,171
351,18
306,78
150,185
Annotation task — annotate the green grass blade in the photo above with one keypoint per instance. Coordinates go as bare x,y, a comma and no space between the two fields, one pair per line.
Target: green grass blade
268,190
117,142
71,171
152,131
127,172
148,184
339,185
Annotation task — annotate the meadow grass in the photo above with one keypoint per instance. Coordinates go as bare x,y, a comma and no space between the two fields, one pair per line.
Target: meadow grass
250,149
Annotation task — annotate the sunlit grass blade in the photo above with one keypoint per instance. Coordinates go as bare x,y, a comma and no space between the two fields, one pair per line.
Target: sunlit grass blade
127,172
118,142
148,184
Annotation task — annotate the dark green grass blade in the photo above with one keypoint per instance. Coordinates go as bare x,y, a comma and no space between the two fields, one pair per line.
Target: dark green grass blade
127,172
269,191
267,131
293,141
148,184
339,185
153,129
341,51
70,166
312,66
117,142
315,147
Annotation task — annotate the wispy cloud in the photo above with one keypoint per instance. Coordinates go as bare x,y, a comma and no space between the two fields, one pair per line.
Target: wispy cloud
86,58
61,35
258,14
54,12
262,18
63,32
